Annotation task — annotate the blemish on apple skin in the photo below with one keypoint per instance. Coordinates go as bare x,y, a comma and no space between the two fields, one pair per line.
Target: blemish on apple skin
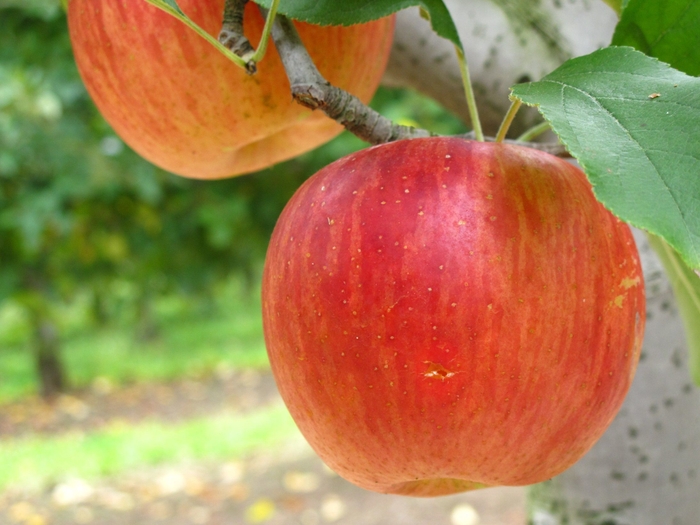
628,283
437,371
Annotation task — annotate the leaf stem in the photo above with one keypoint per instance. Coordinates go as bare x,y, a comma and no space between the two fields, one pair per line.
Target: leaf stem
469,92
534,132
182,17
508,120
267,30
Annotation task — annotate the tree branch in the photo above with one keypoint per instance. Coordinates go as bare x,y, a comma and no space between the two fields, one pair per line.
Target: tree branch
310,89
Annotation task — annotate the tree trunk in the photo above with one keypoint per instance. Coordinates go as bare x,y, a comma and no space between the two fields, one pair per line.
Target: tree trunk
147,328
646,468
47,356
99,310
505,41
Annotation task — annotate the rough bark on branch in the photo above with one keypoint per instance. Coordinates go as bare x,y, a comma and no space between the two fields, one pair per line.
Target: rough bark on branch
313,91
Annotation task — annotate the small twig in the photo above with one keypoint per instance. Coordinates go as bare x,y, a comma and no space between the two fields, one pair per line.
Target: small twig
553,148
311,90
534,131
508,120
469,94
231,34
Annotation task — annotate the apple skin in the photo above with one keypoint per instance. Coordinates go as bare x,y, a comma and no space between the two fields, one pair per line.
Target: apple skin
185,107
444,315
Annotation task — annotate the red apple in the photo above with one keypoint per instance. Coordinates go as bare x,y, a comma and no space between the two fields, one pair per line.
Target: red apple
443,315
182,105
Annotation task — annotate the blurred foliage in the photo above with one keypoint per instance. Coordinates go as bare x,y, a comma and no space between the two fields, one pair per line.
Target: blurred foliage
196,340
46,9
78,208
80,211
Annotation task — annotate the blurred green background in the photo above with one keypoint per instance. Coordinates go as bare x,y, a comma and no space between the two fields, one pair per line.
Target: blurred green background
110,267
115,273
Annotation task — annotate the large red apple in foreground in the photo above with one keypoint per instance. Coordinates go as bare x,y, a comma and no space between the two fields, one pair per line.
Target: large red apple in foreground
443,315
185,107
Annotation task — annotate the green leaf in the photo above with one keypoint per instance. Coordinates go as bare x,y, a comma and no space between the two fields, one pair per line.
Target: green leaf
633,124
171,7
667,30
348,12
686,287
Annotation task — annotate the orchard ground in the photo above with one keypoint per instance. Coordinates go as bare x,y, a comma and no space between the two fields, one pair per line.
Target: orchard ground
217,449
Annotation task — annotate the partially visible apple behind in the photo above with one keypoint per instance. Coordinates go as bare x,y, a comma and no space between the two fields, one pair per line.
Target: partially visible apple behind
182,105
443,315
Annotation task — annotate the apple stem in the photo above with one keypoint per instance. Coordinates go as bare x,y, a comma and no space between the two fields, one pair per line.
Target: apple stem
508,120
310,89
534,132
231,34
469,92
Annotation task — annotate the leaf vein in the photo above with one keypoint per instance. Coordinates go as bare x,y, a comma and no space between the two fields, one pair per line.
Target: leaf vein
565,86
